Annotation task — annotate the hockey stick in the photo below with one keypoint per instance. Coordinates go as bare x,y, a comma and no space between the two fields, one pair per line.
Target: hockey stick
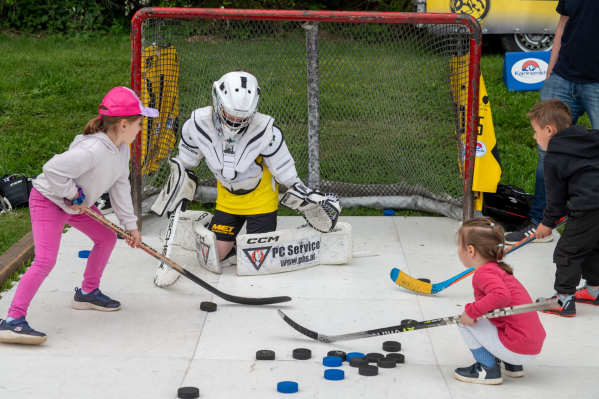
164,274
512,310
410,283
192,277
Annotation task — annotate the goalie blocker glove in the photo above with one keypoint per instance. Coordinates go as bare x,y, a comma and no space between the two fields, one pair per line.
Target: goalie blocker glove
181,186
321,211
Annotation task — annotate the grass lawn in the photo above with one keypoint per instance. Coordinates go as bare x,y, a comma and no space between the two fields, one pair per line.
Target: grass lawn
51,87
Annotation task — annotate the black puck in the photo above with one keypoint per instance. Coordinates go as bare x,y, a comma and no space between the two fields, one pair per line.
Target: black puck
208,306
391,346
265,354
398,357
358,361
368,370
340,354
302,354
408,321
373,357
425,280
386,363
188,393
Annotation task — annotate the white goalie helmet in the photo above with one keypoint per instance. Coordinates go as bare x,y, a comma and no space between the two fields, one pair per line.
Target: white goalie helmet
235,96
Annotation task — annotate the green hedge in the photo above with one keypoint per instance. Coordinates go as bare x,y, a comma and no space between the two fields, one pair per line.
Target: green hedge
114,16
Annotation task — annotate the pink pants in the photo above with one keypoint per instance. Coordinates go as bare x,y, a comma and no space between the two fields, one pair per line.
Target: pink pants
47,222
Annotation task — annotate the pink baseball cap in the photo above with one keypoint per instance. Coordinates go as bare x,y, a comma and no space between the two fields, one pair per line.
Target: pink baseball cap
122,101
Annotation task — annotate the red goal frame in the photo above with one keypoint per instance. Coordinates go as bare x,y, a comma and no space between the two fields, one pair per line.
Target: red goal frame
316,16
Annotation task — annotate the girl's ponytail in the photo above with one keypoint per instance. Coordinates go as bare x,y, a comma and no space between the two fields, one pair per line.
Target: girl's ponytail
104,123
93,126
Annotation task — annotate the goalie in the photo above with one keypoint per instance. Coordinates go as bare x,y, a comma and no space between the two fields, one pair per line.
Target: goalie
248,156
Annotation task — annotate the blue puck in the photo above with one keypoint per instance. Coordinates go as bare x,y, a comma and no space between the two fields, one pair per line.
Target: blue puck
354,354
331,361
388,212
287,387
334,375
84,254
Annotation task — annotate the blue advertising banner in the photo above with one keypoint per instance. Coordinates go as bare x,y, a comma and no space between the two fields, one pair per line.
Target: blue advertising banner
525,71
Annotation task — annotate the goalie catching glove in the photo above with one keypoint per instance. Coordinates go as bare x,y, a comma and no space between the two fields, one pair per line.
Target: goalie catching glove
180,187
321,211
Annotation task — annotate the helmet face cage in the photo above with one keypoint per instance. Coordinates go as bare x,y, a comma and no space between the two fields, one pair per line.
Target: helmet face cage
232,120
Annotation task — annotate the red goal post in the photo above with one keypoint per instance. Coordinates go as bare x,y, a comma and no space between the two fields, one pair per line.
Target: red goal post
406,82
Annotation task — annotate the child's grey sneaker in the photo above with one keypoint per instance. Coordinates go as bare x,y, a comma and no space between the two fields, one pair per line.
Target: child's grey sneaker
94,300
479,374
511,370
18,332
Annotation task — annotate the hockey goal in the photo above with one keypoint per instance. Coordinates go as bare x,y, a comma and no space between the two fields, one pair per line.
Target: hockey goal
379,108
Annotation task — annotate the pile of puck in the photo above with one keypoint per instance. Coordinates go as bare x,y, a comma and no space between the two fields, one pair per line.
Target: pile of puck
367,364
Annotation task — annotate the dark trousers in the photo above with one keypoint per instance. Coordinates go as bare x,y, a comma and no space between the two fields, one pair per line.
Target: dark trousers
577,252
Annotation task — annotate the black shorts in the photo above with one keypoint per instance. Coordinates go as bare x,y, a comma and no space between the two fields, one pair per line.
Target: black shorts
226,226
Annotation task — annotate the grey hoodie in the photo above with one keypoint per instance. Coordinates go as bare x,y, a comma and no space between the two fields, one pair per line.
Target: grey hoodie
96,165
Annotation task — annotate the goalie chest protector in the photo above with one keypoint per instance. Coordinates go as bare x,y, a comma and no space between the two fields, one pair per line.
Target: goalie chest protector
230,162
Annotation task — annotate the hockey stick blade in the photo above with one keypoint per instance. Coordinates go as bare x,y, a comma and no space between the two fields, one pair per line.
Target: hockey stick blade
444,321
410,283
151,251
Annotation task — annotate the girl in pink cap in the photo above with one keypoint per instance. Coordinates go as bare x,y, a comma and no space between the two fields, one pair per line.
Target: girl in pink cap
97,161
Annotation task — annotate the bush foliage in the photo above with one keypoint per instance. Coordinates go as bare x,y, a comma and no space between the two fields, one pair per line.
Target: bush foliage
74,17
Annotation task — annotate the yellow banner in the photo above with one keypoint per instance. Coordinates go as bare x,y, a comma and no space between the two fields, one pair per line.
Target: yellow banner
487,166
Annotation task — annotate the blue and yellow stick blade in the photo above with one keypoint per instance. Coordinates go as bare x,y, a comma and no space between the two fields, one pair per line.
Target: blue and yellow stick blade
410,283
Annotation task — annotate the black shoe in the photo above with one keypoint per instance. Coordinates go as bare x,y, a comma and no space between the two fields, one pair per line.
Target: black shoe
528,230
94,300
511,370
103,204
19,332
564,309
479,374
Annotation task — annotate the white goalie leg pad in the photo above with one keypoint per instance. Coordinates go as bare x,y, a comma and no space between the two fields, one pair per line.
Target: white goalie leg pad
185,235
294,249
338,245
205,246
181,185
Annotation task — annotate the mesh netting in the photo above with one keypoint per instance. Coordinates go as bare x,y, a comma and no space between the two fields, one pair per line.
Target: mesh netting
391,98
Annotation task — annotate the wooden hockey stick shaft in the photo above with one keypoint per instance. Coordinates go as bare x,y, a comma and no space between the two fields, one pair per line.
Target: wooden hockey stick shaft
149,250
531,307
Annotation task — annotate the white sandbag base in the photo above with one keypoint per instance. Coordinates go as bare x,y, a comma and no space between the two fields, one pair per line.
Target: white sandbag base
293,249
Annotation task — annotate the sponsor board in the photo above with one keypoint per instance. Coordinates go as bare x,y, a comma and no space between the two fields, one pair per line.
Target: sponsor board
278,257
530,70
525,71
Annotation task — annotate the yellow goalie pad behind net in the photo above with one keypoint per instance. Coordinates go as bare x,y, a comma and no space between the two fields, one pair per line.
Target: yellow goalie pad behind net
159,89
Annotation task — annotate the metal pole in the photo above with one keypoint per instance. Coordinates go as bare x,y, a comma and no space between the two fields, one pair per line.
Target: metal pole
313,104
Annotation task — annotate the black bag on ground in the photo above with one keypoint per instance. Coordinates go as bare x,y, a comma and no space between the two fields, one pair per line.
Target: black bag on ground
16,189
510,206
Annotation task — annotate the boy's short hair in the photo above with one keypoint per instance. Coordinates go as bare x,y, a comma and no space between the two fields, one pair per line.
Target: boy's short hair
551,112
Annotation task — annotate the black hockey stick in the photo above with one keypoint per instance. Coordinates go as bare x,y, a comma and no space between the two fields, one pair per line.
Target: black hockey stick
531,307
192,277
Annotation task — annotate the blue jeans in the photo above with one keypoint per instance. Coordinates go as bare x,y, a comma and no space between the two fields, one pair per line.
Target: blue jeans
580,97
